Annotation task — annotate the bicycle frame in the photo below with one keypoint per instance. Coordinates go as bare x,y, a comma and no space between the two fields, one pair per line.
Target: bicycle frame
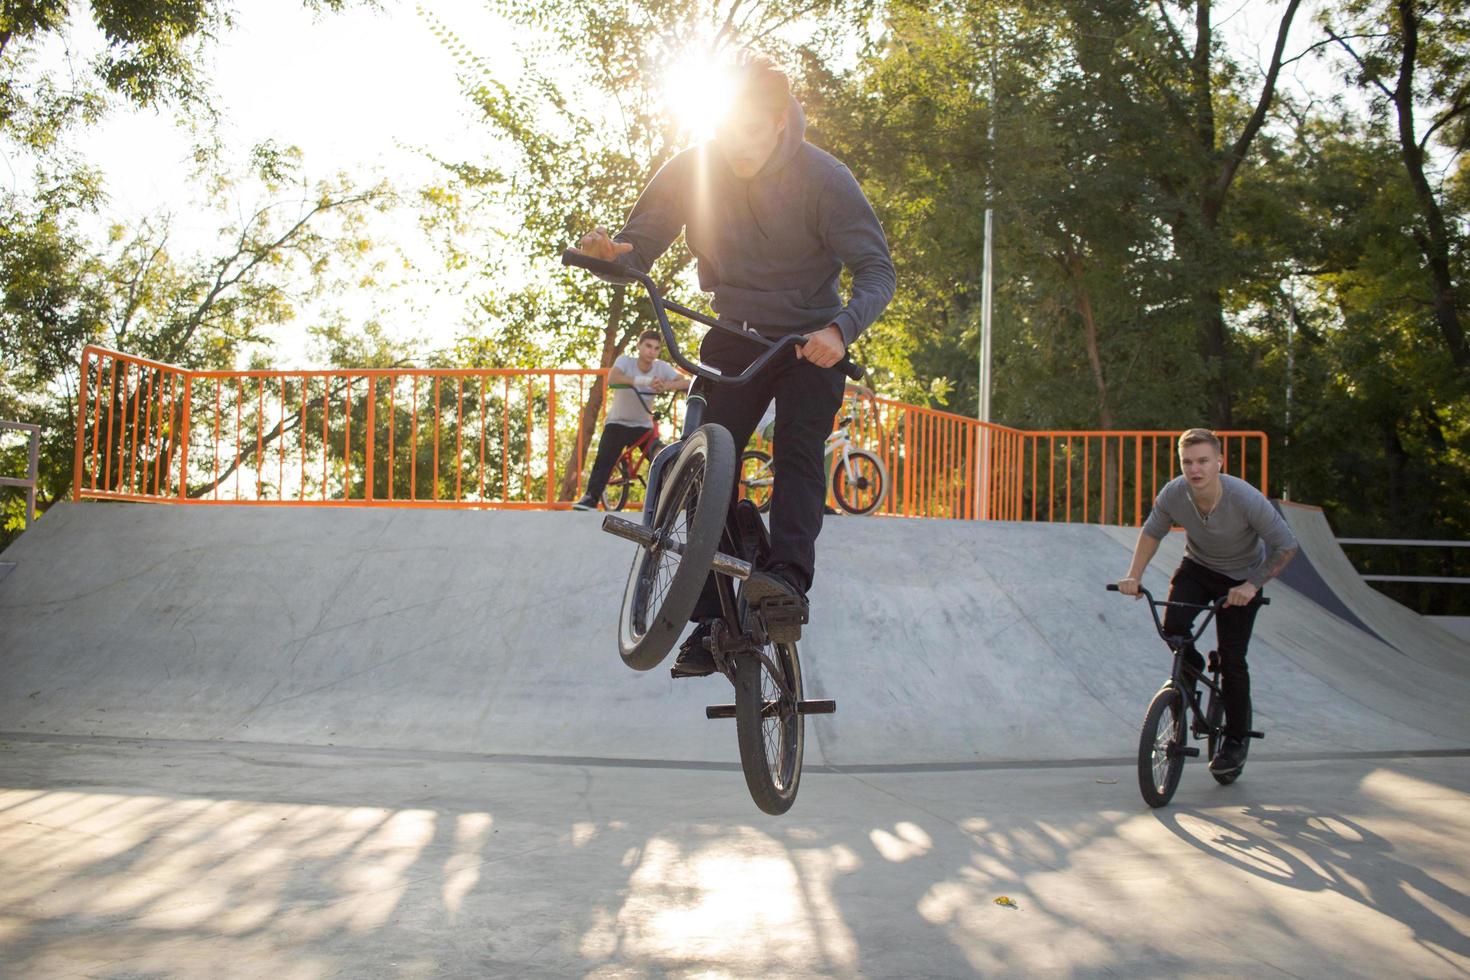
1180,678
840,441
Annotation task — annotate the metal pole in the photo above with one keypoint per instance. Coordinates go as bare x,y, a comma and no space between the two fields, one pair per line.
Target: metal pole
1290,374
982,475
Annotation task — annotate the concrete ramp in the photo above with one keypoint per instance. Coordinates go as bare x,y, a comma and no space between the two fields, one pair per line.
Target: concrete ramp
492,632
1415,636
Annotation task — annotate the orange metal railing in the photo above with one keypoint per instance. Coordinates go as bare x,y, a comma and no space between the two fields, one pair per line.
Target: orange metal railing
519,439
425,438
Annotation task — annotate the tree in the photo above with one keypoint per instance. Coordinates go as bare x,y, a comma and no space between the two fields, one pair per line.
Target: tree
1414,59
132,292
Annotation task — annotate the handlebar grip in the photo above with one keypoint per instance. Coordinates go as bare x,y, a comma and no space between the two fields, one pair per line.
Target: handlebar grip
1112,586
610,270
852,369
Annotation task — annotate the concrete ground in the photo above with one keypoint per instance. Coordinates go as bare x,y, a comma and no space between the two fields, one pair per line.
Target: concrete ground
178,859
367,743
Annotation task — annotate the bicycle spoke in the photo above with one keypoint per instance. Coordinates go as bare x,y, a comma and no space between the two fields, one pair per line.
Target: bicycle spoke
1162,739
668,552
773,725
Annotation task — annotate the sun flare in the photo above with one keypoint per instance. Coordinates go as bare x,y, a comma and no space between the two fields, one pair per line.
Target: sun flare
697,91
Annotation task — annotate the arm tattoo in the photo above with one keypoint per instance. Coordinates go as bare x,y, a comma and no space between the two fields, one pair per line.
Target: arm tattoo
1282,557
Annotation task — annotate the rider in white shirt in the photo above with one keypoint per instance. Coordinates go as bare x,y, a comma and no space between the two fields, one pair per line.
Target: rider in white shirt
628,418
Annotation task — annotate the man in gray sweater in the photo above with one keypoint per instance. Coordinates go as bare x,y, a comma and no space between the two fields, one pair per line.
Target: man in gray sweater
772,221
1235,542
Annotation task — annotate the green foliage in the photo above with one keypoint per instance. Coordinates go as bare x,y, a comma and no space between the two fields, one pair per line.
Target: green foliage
70,276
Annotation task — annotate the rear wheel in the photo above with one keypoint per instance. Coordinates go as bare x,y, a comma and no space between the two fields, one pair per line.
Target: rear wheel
1160,747
665,579
769,726
864,491
756,478
615,494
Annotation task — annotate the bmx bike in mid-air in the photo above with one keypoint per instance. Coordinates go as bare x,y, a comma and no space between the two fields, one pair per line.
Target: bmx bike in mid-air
688,531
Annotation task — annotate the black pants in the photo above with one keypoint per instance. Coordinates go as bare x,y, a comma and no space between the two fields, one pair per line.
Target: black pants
807,399
615,438
1195,583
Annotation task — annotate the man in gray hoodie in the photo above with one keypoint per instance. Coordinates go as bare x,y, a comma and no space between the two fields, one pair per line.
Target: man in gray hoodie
771,221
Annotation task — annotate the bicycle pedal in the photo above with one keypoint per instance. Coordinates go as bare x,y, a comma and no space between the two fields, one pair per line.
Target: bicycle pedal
784,616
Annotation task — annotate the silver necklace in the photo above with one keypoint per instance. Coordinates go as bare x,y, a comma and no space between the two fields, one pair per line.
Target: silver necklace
1203,517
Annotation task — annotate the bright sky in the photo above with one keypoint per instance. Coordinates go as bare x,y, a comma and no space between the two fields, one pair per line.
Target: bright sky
362,92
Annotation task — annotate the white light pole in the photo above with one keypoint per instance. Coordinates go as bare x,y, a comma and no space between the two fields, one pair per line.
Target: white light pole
982,463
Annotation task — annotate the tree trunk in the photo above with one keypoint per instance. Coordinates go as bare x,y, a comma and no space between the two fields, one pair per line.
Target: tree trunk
1199,245
612,343
1072,265
1435,246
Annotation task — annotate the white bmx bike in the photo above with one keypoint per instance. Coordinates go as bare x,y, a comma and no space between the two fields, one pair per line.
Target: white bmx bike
857,478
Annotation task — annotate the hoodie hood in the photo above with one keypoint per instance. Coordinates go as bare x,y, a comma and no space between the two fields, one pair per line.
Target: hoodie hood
792,137
770,248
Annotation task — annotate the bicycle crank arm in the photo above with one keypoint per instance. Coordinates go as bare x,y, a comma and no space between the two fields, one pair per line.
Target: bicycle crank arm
820,706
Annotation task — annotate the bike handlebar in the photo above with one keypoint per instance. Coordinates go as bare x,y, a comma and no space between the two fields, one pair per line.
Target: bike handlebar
1218,603
1154,604
622,275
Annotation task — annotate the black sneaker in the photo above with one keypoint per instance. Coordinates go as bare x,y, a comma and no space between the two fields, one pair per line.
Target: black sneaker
780,603
1230,758
586,503
695,659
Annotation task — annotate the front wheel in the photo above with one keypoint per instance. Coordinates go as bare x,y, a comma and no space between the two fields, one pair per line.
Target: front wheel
756,478
666,578
863,492
615,494
1160,747
769,725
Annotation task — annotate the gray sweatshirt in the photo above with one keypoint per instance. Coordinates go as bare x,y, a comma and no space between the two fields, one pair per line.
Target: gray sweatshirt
1234,538
770,248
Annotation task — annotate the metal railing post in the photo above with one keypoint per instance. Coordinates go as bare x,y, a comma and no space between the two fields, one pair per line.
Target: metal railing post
185,424
372,394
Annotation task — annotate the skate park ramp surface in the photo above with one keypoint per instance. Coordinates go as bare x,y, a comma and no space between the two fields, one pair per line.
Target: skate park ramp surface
945,644
1417,637
250,742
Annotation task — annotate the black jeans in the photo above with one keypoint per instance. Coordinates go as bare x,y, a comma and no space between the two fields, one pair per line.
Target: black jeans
615,438
1195,583
807,399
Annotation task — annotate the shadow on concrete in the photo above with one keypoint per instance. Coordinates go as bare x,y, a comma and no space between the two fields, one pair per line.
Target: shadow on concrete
1298,844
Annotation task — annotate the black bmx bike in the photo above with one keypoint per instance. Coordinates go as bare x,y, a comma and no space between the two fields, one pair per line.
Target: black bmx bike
1175,713
688,530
